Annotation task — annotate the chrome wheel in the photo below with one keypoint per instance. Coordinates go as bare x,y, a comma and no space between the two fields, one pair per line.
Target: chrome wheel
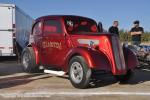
76,72
26,60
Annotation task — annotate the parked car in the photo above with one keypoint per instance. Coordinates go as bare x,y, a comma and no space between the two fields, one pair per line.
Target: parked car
74,45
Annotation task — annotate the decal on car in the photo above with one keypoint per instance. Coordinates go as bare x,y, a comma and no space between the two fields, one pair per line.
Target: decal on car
52,45
90,42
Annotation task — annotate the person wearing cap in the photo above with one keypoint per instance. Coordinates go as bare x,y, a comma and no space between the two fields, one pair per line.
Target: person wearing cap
114,28
136,33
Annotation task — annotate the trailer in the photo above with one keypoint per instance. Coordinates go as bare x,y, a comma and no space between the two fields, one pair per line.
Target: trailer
15,28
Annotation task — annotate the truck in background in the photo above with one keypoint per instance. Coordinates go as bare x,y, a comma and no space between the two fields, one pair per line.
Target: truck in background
15,28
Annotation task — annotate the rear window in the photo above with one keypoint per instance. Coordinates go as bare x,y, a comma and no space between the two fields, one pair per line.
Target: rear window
80,25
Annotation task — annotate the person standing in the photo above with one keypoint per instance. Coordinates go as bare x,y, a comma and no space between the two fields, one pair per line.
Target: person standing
136,33
114,28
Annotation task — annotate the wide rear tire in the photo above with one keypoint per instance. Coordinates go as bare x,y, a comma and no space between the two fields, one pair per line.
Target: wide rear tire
28,60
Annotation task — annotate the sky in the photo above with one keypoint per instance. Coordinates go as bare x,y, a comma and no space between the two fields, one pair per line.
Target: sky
105,11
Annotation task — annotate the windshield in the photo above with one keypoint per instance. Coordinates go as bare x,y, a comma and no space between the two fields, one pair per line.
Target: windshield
80,25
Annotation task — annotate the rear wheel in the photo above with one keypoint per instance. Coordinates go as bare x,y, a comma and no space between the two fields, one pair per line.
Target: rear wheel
79,72
124,78
28,60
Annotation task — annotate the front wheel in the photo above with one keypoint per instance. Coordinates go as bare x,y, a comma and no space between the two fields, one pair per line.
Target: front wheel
124,78
79,72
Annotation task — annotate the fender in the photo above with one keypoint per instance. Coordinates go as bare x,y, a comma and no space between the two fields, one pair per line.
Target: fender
130,58
94,58
36,52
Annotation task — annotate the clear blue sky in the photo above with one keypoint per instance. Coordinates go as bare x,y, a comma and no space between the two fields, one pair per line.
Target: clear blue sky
125,11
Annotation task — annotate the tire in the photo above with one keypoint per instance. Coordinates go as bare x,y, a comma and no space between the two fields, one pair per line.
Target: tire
124,78
28,60
79,72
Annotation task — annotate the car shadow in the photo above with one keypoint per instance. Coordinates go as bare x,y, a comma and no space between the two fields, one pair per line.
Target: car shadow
141,75
102,81
20,80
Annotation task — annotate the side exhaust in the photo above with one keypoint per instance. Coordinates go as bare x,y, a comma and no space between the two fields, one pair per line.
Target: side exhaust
58,73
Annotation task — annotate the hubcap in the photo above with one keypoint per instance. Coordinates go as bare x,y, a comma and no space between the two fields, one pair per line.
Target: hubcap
26,60
76,72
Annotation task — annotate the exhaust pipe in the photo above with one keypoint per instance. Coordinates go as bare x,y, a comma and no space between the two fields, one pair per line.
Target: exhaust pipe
58,73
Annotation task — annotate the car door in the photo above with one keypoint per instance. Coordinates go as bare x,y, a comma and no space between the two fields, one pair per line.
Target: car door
54,44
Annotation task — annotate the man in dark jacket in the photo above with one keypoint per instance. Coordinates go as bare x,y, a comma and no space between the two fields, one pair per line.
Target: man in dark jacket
114,29
136,33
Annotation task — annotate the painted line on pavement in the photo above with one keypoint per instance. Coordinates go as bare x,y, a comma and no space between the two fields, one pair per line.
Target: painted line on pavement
50,94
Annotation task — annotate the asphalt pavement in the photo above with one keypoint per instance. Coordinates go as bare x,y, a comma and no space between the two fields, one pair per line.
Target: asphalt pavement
18,85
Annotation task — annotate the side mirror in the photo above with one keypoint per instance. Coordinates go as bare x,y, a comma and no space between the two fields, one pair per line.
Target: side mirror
100,27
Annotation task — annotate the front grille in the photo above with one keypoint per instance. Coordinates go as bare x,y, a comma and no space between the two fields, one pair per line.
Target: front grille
118,53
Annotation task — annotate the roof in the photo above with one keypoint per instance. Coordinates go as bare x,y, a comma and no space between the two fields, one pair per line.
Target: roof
61,16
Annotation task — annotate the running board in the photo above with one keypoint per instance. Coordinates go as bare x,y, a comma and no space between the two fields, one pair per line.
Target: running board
59,73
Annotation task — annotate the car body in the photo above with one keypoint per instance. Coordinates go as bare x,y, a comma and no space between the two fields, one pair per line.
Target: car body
74,45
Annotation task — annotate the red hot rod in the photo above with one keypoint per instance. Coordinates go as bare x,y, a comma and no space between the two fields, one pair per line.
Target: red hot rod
74,45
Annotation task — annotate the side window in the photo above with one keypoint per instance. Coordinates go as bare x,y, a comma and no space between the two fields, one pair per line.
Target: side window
52,26
37,28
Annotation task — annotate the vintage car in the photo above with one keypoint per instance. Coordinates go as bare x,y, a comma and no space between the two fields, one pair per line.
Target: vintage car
74,45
